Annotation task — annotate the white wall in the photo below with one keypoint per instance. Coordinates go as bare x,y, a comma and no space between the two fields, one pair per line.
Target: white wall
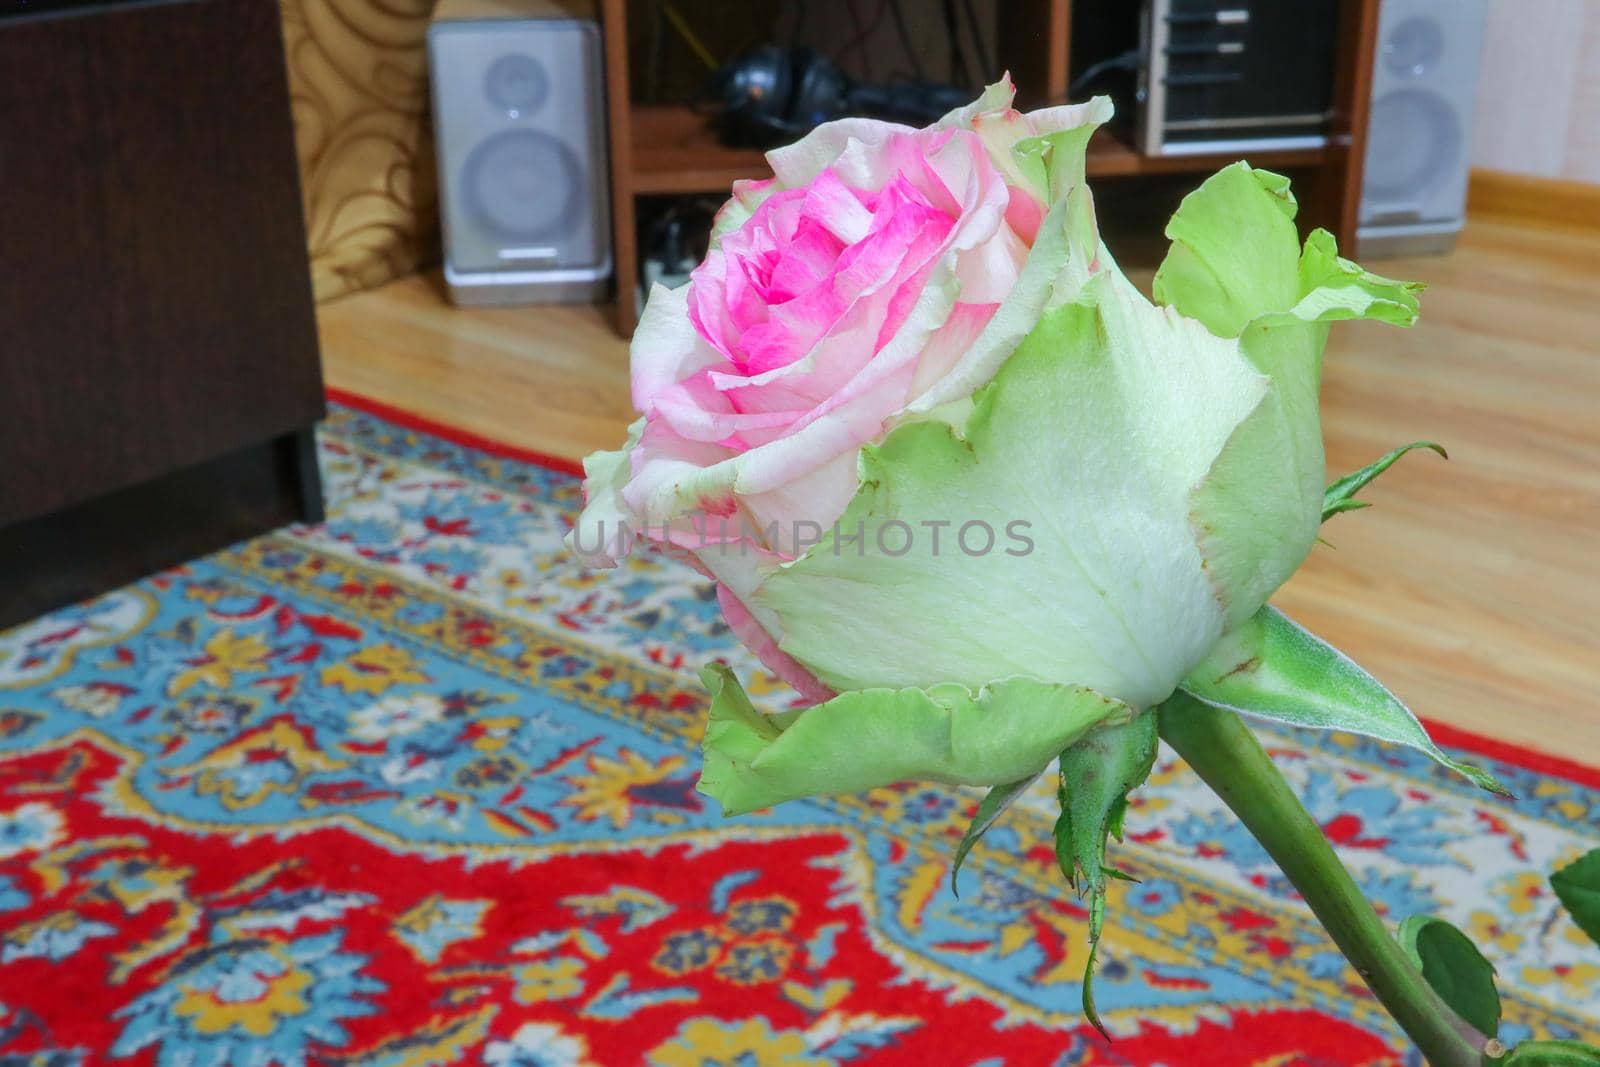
1538,108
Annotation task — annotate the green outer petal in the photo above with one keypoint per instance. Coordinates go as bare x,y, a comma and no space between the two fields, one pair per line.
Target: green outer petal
858,741
1087,435
1055,270
597,536
1237,265
996,97
1272,668
1334,288
1235,252
1235,257
1055,162
1253,526
1042,150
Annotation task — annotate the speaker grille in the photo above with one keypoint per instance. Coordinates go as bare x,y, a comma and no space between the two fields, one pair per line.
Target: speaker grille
1415,147
521,184
516,84
1413,48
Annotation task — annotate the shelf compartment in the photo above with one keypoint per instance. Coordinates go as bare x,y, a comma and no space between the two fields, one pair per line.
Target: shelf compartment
675,150
1110,156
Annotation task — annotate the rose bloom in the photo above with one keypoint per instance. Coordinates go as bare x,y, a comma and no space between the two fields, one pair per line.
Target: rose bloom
923,329
861,285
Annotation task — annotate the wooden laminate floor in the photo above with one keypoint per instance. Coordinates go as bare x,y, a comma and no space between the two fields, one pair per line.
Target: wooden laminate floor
1472,588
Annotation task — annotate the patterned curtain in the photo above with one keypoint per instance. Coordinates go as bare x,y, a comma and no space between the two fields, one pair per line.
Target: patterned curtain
359,90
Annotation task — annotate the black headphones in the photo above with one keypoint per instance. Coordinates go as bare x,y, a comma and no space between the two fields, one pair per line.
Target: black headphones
771,95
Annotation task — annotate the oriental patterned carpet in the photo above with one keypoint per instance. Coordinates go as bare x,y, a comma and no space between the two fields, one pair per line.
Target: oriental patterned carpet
411,788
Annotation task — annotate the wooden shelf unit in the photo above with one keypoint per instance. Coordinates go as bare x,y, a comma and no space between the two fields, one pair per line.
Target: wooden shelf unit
667,149
676,151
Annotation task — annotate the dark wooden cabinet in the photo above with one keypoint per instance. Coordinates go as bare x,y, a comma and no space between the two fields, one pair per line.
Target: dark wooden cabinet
159,372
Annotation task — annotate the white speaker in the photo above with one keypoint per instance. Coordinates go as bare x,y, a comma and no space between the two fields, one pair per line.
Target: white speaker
519,124
1419,132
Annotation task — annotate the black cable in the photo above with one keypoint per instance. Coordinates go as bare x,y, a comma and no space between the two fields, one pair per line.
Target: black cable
958,55
787,15
658,47
854,45
905,39
1128,60
864,34
986,62
802,13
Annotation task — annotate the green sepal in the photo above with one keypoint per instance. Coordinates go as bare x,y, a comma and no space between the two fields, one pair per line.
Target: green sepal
1456,970
1269,667
860,740
1577,886
990,808
1097,914
1097,774
1340,496
1552,1054
1119,812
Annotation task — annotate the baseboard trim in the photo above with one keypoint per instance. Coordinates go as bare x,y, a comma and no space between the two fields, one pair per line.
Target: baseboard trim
1496,194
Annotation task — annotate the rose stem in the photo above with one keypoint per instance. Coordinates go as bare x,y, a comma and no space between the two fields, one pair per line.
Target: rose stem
1227,756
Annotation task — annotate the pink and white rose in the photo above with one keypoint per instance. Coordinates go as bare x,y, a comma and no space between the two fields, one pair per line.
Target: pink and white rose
873,278
922,330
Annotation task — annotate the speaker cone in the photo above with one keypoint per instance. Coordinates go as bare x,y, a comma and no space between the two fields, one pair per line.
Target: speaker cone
523,184
1414,144
1412,48
516,84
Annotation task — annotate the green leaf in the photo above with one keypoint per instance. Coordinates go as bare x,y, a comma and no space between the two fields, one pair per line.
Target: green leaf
861,740
1343,505
1097,774
993,805
1553,1054
1456,970
1577,886
1340,496
1271,668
